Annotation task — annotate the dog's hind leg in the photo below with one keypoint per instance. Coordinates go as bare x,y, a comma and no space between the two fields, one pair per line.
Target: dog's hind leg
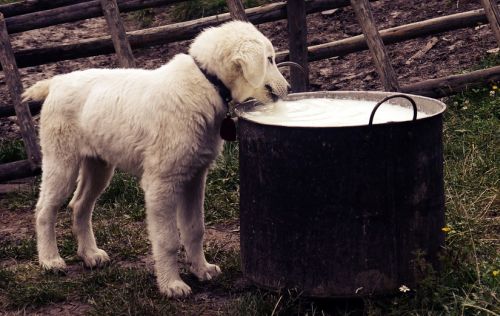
190,220
162,196
58,180
95,175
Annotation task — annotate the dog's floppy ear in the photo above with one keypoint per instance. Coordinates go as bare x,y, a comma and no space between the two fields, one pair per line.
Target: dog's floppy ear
251,57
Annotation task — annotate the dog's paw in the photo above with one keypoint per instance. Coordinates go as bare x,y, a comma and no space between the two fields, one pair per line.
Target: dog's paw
206,272
55,264
175,289
94,258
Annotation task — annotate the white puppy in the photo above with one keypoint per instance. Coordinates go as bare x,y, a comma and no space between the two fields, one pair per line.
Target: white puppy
161,125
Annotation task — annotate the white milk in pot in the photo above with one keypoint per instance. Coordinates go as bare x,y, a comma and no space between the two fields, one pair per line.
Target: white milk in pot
321,112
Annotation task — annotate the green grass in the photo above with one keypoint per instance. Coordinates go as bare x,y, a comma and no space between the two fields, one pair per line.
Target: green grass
144,17
24,249
222,189
11,150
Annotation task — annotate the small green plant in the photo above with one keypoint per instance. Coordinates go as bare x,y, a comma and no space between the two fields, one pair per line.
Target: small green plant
491,60
196,9
144,17
11,150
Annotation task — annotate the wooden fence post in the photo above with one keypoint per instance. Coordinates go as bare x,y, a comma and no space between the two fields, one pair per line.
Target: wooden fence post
297,44
118,34
375,44
237,10
493,13
13,80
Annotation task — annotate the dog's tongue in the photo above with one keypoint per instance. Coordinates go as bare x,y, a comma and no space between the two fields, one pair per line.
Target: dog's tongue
228,129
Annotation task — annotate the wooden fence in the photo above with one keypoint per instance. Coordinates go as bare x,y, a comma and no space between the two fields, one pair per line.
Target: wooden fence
28,15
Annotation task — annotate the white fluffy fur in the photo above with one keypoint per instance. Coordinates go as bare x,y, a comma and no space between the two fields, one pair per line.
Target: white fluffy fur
161,125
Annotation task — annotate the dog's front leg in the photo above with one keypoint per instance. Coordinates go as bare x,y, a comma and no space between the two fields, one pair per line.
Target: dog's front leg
191,225
161,203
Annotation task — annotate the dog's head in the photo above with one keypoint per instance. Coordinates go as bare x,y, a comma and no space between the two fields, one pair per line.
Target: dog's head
243,58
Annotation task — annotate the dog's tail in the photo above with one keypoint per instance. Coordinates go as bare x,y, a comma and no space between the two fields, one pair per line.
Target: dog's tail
37,92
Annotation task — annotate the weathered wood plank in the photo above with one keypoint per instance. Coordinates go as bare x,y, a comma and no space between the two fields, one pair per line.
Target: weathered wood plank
442,87
8,110
17,170
237,10
297,44
13,80
74,12
160,35
493,13
118,33
375,44
28,6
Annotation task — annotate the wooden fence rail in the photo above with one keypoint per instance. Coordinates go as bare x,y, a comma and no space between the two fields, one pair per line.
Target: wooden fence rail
74,12
187,30
17,170
442,87
161,34
394,35
24,7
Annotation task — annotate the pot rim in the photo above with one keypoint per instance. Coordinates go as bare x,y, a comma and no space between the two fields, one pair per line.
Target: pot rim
423,103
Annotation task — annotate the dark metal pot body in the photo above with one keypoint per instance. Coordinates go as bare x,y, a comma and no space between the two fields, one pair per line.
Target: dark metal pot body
342,211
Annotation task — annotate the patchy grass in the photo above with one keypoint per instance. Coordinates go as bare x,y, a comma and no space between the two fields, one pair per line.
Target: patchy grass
11,150
196,9
222,189
144,17
23,249
468,283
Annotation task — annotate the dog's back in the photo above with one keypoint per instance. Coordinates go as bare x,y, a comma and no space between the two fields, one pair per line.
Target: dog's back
107,112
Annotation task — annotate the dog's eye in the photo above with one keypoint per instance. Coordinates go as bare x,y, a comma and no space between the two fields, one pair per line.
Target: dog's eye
270,59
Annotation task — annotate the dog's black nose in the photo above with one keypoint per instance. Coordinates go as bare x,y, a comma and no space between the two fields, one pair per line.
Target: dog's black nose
269,89
273,95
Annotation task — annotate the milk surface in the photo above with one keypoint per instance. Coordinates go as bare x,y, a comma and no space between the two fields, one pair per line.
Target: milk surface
322,112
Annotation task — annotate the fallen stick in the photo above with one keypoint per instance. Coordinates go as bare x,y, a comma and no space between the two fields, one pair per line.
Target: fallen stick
430,44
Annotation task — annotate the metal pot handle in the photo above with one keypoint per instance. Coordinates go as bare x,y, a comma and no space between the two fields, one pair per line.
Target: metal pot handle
291,63
413,103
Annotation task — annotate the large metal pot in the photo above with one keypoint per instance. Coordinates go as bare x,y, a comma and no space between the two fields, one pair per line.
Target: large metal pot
341,211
